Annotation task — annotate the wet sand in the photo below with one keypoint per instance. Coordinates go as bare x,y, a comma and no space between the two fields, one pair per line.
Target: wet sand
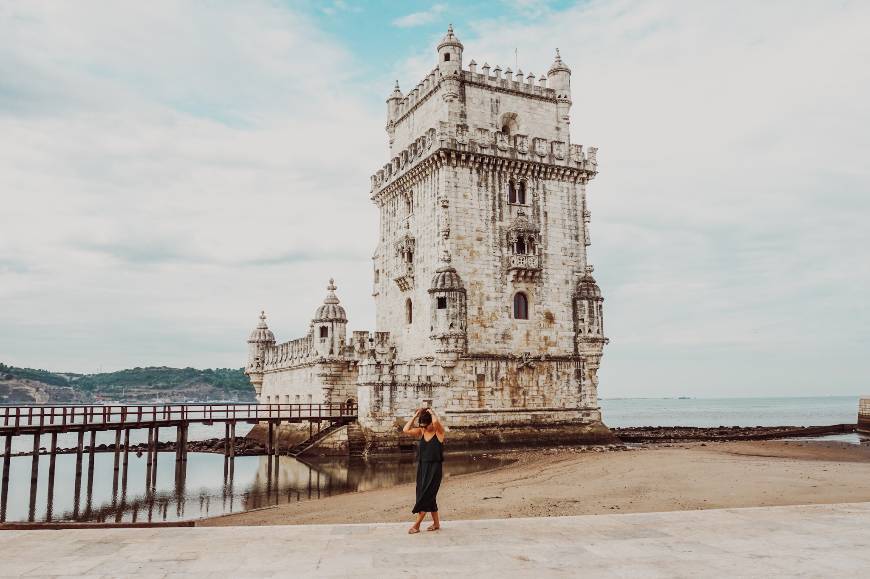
654,478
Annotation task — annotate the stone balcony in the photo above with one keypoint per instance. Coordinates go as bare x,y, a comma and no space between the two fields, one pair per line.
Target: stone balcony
405,279
525,267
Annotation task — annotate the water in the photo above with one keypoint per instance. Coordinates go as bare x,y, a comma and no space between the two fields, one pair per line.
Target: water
211,485
815,411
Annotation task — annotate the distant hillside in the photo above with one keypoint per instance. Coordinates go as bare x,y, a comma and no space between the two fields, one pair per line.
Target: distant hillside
138,385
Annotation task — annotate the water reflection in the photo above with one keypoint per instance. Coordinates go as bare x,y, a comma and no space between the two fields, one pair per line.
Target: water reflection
157,487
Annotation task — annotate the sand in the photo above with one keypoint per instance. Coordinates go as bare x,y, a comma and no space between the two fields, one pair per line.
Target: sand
650,479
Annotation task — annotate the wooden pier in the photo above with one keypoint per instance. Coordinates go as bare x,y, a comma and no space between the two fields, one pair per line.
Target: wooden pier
87,420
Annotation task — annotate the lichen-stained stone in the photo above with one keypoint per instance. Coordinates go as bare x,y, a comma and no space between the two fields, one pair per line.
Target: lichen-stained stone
486,308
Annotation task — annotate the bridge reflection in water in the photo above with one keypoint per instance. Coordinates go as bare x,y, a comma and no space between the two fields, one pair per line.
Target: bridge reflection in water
208,485
128,484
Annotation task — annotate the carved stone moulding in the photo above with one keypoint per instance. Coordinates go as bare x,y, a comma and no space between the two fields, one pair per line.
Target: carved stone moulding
522,144
405,282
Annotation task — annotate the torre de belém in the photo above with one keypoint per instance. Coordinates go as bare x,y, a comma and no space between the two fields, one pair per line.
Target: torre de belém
485,302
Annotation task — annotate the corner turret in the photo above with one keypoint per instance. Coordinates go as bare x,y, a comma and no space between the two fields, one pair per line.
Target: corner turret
449,53
589,332
450,64
329,325
559,79
260,339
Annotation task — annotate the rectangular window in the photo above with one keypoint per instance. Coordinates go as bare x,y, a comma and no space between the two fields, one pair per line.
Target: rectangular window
441,303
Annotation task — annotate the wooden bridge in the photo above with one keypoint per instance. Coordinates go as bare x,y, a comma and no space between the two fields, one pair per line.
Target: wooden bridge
52,420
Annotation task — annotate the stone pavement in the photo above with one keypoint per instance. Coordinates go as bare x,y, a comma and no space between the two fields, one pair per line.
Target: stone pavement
812,541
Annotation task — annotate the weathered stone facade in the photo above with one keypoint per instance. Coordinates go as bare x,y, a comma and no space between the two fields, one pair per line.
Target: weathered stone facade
485,303
864,414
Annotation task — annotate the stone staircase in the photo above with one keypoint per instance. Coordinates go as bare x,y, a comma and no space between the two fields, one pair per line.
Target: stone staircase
314,439
356,440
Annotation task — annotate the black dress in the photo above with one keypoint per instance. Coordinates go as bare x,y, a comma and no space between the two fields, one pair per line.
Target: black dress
430,458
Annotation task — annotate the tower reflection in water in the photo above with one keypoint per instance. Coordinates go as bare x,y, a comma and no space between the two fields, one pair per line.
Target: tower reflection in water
155,487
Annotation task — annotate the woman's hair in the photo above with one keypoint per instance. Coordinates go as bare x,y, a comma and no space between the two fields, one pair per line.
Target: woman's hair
425,418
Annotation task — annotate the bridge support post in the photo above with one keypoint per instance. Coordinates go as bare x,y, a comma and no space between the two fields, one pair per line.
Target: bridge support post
34,477
184,446
178,441
116,465
233,439
126,453
276,446
227,439
155,455
117,450
270,438
78,483
49,506
4,491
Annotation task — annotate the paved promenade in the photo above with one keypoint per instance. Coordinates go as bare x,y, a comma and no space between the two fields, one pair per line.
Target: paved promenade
811,541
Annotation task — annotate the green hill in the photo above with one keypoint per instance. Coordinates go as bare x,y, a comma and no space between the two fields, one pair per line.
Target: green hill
136,385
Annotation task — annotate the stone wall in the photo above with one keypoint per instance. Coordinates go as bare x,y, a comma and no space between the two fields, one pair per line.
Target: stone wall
864,414
321,382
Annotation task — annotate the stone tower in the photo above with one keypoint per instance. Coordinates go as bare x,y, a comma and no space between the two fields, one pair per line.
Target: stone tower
483,171
486,307
485,195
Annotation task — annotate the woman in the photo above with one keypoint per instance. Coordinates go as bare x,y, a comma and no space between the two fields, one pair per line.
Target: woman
430,456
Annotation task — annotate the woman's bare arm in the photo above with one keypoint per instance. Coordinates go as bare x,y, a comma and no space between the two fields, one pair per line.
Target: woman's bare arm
410,430
436,422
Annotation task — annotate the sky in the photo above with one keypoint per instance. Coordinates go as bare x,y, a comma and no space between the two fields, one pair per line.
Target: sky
168,169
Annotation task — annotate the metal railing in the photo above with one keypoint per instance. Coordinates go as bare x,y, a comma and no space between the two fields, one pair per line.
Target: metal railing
16,417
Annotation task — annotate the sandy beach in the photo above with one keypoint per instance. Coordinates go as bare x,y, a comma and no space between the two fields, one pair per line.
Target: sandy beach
653,478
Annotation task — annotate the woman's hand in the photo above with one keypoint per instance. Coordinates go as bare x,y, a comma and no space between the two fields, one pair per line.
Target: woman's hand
408,429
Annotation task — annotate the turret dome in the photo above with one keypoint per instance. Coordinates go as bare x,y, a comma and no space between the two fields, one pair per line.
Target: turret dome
449,39
587,288
330,311
262,333
558,65
446,279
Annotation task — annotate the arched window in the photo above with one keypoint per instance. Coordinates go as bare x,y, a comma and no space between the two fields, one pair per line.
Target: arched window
506,130
324,332
446,57
521,246
512,192
521,193
521,306
409,311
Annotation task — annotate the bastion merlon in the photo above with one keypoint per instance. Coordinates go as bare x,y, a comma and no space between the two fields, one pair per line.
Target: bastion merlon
486,307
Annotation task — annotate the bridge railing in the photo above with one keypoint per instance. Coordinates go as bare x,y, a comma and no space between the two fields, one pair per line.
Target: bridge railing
132,415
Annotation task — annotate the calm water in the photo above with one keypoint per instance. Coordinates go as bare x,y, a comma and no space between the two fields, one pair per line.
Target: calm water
730,411
210,485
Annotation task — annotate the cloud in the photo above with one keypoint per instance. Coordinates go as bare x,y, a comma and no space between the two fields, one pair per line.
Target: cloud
729,217
168,169
420,18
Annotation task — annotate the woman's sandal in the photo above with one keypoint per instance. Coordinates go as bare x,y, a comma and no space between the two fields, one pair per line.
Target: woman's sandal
413,531
432,528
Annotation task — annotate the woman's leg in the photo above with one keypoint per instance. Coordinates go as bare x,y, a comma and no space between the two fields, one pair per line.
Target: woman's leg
436,522
415,528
